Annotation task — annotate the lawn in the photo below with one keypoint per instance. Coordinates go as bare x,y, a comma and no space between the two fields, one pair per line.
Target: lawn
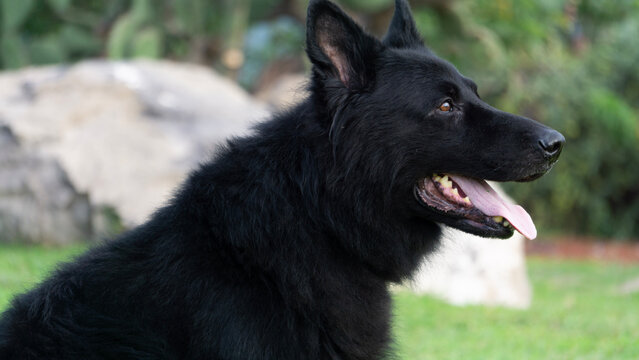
23,266
578,312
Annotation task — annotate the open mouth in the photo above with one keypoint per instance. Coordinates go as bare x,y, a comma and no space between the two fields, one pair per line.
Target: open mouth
473,206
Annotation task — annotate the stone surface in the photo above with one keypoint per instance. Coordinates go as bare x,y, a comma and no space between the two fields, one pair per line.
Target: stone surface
126,132
38,204
471,270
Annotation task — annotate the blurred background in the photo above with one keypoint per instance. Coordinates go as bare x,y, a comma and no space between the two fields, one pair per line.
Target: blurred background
106,105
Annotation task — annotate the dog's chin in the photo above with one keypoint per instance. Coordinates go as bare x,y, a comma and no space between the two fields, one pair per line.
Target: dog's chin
455,210
532,177
488,228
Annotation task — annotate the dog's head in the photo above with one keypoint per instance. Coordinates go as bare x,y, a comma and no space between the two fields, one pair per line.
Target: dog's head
412,126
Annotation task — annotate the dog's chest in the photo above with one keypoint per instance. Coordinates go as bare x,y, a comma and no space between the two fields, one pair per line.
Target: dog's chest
357,322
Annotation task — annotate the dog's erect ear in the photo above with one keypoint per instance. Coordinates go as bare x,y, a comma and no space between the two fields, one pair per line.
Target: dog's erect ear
402,32
338,47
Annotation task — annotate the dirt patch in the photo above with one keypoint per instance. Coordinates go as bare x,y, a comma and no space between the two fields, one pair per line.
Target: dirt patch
584,249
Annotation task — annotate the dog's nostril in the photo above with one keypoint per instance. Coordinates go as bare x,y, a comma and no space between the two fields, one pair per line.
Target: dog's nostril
552,142
552,147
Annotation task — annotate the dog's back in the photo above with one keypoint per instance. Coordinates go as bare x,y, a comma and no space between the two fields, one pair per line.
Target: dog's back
108,303
233,268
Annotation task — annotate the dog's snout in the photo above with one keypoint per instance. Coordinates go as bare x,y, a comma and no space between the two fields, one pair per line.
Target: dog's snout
551,142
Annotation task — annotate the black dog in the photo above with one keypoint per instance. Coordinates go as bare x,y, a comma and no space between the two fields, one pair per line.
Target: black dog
282,247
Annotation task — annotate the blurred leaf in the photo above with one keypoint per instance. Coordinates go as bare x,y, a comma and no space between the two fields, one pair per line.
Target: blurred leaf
368,5
14,12
147,43
427,21
261,9
142,10
48,50
617,118
59,5
266,42
12,52
128,37
77,39
191,15
118,44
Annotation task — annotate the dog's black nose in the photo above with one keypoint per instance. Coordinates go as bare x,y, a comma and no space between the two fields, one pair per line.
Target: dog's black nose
551,143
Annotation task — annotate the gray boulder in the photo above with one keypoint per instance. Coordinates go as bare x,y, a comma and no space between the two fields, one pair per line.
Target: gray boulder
38,204
470,270
127,133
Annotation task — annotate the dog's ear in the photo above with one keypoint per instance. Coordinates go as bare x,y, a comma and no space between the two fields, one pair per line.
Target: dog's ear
338,47
402,32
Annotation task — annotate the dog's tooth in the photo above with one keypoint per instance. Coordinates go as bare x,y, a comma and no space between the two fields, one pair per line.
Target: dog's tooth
437,178
455,192
446,182
467,200
506,223
498,219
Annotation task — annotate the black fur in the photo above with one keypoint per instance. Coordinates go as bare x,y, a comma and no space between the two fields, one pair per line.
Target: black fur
282,246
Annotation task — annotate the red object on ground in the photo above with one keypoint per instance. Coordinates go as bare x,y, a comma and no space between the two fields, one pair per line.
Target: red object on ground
584,249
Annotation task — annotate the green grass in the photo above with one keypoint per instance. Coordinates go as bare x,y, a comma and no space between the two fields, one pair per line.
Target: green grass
21,267
577,313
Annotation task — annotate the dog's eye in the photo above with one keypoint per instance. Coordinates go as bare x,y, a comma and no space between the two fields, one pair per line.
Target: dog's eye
446,106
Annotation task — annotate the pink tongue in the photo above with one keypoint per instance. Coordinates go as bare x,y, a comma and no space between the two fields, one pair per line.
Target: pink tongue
490,203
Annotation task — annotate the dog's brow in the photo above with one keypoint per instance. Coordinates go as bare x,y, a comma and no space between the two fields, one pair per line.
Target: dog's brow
451,89
472,84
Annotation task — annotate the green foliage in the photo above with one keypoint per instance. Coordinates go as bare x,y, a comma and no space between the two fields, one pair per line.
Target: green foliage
368,5
53,31
147,43
135,34
571,65
14,13
266,42
109,222
59,6
35,33
13,54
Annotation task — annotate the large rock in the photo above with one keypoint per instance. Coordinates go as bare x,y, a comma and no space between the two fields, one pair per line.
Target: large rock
470,270
38,204
126,132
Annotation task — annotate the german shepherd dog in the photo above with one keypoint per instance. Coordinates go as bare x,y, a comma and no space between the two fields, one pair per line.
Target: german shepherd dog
283,245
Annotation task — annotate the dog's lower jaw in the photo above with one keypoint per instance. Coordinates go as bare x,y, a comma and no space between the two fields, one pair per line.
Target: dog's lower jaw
458,212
